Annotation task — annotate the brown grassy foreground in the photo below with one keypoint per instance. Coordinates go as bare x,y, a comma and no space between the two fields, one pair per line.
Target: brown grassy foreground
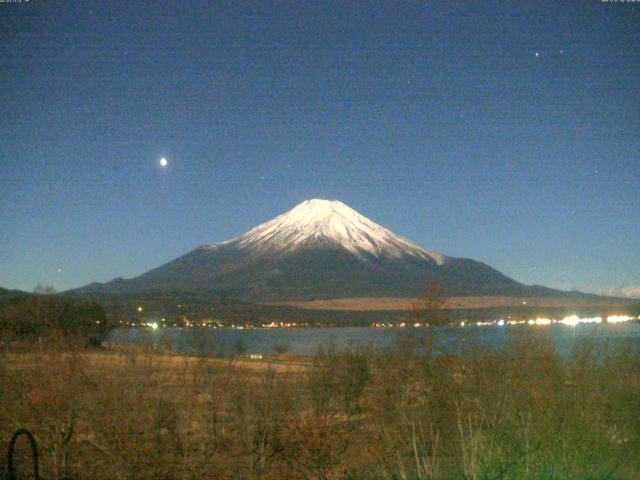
518,412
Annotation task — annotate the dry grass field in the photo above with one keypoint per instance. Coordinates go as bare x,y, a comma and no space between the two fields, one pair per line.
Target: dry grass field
520,411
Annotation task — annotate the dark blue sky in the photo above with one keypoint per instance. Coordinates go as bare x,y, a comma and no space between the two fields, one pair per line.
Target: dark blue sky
507,132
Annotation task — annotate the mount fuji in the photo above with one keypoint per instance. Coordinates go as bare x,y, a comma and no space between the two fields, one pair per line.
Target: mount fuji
320,249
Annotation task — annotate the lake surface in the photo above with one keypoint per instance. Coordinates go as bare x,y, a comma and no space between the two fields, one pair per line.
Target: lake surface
309,340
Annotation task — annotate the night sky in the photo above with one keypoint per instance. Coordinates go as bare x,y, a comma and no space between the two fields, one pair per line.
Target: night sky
507,132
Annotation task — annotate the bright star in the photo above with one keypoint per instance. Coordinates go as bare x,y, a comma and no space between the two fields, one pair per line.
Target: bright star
163,162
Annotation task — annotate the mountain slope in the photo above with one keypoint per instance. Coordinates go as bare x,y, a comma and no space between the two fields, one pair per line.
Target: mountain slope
319,249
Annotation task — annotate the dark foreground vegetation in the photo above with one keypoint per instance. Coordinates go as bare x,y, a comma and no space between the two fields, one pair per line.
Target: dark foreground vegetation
518,412
30,318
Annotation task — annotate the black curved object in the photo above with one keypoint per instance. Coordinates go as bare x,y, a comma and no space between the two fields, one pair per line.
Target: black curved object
34,453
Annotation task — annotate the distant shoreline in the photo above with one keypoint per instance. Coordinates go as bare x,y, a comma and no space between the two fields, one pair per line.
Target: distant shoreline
368,304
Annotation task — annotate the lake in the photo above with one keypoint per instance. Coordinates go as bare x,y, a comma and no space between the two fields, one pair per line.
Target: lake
308,340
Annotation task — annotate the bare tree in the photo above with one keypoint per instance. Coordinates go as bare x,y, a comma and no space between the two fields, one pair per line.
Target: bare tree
42,289
430,306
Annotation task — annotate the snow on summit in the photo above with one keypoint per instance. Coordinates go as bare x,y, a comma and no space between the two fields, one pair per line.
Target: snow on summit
320,221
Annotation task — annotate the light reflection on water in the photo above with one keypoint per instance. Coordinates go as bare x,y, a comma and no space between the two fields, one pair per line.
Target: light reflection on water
309,340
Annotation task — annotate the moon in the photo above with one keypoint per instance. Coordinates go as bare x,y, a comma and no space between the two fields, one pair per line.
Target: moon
163,162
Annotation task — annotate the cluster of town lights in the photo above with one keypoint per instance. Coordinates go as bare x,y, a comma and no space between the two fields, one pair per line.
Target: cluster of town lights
571,320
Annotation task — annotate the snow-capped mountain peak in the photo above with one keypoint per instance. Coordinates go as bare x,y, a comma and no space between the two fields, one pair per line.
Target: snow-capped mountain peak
319,249
328,222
